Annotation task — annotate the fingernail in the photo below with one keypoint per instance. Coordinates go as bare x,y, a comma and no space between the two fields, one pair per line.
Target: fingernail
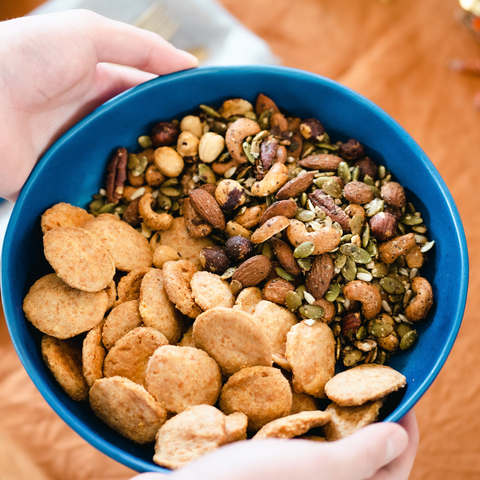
396,444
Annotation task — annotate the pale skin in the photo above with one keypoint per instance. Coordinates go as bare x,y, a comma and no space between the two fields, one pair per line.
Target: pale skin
55,70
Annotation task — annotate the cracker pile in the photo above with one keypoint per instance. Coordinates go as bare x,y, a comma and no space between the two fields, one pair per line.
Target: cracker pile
221,276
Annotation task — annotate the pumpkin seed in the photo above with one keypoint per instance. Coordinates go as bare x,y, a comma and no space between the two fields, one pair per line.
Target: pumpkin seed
349,249
300,291
267,250
332,188
349,270
393,268
169,191
107,208
403,329
264,119
336,328
419,228
281,272
372,248
338,348
120,208
144,141
362,256
408,340
375,206
146,230
381,357
407,297
346,238
385,180
411,219
206,174
303,199
175,206
371,356
375,191
305,215
410,208
391,285
251,115
361,333
132,161
332,293
311,311
366,235
368,180
210,111
352,358
427,246
246,148
223,157
95,206
327,146
380,329
304,263
403,228
355,174
356,224
228,273
268,201
304,250
235,287
293,301
395,298
164,202
340,308
382,171
344,172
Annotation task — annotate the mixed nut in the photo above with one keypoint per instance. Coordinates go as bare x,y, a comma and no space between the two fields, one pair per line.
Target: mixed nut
318,225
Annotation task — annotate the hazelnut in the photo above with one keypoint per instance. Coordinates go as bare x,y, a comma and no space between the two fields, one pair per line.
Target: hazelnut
238,247
214,259
164,133
187,144
351,150
210,147
192,124
230,195
311,128
350,324
367,167
394,194
383,226
153,176
395,211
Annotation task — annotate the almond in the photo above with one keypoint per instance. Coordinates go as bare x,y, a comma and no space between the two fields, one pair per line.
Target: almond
323,162
207,207
285,256
285,208
295,186
253,271
358,192
270,228
394,194
196,226
276,290
319,276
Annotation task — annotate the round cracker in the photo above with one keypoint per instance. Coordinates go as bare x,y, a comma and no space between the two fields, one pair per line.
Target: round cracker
363,383
189,435
310,351
156,309
177,276
93,355
111,292
129,357
64,359
293,425
262,393
181,377
248,299
129,285
178,238
187,339
233,338
120,321
236,427
61,311
128,248
127,408
79,258
210,291
301,402
64,215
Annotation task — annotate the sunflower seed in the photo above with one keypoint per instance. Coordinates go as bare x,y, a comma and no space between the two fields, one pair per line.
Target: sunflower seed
407,297
427,246
309,322
303,199
419,228
386,306
366,346
138,193
230,172
413,273
309,298
366,277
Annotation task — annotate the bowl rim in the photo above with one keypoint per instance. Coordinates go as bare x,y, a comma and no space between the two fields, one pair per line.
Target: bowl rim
94,439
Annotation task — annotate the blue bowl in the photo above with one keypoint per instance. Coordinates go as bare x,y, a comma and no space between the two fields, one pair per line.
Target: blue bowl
74,168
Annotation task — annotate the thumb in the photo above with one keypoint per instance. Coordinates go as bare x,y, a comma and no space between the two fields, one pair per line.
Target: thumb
151,476
371,448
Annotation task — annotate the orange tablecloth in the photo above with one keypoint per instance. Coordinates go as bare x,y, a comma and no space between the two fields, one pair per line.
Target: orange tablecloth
395,54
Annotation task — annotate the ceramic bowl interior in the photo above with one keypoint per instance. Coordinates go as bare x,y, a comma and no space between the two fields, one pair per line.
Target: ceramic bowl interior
74,168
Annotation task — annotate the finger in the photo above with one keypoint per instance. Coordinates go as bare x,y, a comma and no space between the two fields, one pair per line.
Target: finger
124,44
151,476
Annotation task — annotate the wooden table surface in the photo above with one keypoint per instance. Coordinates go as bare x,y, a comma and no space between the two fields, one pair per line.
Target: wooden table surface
395,54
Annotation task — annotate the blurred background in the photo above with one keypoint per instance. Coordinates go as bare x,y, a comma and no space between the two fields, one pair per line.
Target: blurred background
416,60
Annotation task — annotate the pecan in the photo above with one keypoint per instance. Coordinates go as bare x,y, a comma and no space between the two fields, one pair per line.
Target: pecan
253,271
164,134
116,175
131,215
207,207
351,150
326,203
268,150
367,167
324,162
296,146
285,256
318,278
295,186
196,226
350,324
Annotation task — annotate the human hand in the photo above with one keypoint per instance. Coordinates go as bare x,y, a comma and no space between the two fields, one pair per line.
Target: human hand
52,75
384,451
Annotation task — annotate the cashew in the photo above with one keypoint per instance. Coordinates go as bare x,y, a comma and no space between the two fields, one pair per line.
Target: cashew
275,178
354,209
235,106
423,301
324,240
281,155
128,192
270,228
414,257
367,294
236,133
391,250
328,309
221,168
233,229
156,221
251,216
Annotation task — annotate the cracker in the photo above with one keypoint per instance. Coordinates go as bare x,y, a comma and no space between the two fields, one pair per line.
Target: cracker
120,321
293,425
62,311
93,355
248,299
363,383
177,277
236,427
181,377
277,321
233,338
310,352
127,408
189,435
129,357
64,359
111,292
347,420
64,215
178,238
129,285
301,402
187,339
129,248
210,291
312,438
262,393
156,309
79,258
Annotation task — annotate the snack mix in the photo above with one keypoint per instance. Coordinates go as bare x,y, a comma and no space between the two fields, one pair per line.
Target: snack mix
222,274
